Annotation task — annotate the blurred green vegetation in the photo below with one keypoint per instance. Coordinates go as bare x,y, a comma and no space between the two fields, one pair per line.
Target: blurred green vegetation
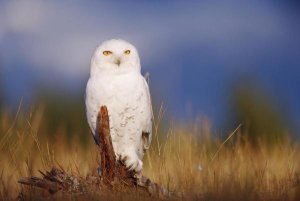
257,110
64,113
251,105
1,87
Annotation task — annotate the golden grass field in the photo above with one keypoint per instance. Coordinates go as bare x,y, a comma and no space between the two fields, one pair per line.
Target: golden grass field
185,160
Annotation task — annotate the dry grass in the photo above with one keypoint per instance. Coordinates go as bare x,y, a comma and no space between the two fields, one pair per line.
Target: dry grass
179,159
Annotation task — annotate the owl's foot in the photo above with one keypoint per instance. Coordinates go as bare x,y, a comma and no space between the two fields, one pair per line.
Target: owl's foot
132,162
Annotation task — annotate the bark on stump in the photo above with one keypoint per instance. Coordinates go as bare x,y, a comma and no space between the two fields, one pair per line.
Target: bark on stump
111,169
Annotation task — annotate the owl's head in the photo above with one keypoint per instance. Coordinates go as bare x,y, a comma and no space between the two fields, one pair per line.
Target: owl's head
115,55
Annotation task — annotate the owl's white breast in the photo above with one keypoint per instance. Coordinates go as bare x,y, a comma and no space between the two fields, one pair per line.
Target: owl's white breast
127,99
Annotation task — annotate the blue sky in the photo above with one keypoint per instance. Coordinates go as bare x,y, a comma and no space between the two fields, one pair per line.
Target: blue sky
193,50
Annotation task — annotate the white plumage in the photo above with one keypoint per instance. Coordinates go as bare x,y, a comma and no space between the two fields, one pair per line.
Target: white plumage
116,81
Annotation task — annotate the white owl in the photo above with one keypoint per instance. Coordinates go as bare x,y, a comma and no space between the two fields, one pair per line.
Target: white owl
116,81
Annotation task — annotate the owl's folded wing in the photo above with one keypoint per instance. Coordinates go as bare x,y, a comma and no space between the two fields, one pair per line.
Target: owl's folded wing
147,131
91,110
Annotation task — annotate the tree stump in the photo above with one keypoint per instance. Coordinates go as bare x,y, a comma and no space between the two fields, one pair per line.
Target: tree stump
111,169
113,172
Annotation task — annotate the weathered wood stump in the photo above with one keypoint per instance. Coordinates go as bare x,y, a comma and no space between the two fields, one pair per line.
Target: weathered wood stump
111,169
113,172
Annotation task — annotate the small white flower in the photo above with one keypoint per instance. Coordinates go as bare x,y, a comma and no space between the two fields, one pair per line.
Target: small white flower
199,168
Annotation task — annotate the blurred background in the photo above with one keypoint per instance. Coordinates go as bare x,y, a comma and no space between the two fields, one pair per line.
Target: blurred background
229,62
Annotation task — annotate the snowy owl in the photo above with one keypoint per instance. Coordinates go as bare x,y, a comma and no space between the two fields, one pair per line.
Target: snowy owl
116,81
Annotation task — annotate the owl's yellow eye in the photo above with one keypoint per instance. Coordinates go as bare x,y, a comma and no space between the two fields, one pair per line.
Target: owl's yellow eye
127,52
106,53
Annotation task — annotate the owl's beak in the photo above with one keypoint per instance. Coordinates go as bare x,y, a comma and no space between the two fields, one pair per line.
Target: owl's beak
118,61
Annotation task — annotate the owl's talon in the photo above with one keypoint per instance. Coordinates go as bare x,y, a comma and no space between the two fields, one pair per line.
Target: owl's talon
124,159
132,163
